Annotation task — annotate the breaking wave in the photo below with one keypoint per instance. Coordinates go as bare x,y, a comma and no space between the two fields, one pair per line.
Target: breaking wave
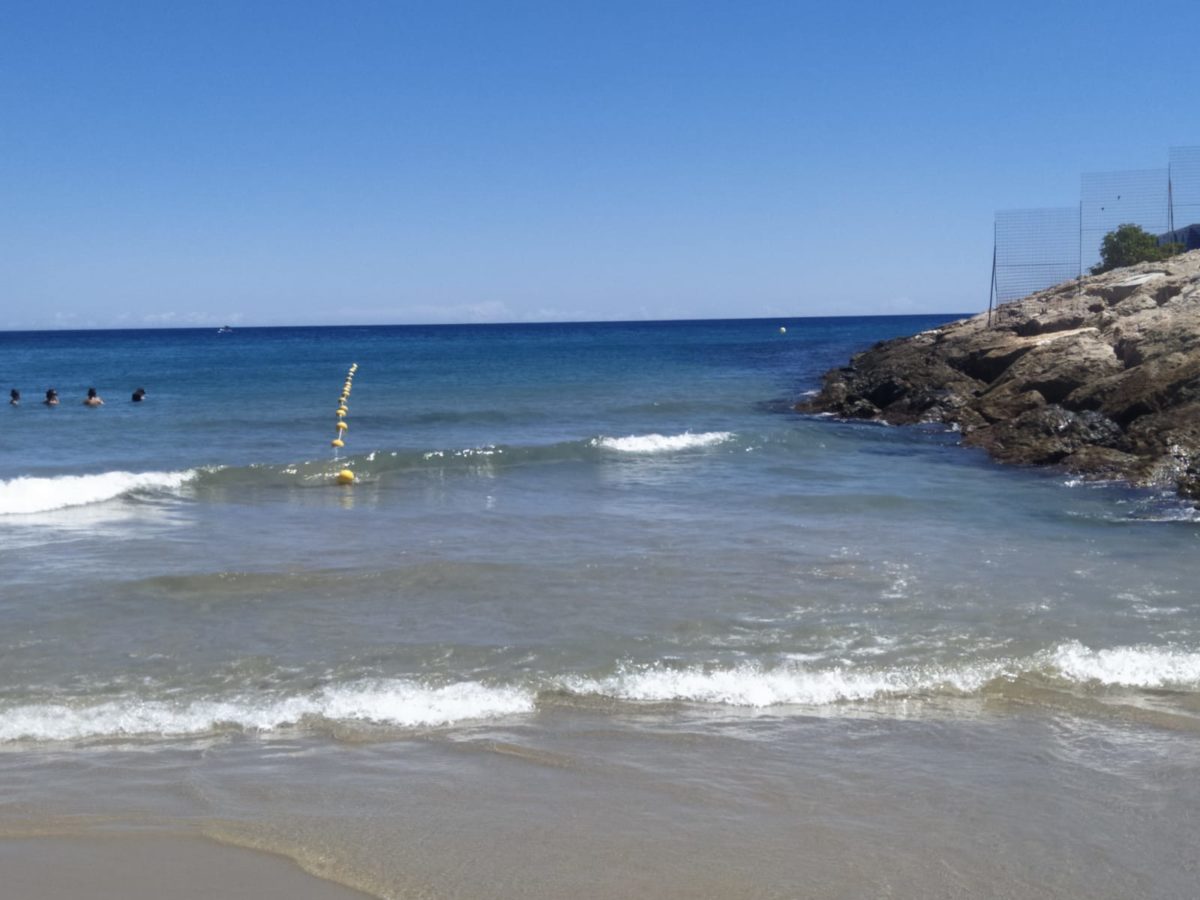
753,685
397,703
38,495
662,443
1143,667
403,703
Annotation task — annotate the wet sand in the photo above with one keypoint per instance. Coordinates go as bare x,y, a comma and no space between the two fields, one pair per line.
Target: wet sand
151,867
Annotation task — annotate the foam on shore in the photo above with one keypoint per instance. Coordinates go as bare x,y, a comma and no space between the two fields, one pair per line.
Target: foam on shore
410,704
397,703
757,686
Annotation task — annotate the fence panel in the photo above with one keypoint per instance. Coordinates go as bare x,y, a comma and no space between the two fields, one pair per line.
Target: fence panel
1185,186
1111,199
1035,248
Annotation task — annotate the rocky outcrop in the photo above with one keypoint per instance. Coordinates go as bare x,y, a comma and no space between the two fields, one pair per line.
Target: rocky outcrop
1100,377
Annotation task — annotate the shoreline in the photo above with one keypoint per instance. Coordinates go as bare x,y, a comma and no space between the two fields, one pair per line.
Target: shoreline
139,865
1098,377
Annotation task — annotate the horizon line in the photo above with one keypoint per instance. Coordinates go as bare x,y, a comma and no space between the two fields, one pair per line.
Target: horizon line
546,322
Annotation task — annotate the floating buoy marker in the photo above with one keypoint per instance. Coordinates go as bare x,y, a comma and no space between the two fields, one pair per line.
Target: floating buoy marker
345,476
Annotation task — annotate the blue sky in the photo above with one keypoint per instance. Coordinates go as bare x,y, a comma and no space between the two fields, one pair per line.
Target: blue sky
305,163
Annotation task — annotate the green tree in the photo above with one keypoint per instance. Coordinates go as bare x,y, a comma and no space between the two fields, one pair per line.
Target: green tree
1130,244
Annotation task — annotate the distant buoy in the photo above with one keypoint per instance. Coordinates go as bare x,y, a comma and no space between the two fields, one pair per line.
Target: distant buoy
337,442
782,329
345,477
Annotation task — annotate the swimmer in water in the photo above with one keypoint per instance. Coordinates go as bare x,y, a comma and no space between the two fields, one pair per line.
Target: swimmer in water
14,397
93,399
139,395
51,397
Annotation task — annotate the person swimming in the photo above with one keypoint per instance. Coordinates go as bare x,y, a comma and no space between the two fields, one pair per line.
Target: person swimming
93,399
139,395
51,397
14,397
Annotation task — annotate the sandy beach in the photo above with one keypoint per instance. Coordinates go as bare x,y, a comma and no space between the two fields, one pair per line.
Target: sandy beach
139,866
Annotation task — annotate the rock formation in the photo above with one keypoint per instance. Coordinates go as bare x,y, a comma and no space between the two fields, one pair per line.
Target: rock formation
1099,376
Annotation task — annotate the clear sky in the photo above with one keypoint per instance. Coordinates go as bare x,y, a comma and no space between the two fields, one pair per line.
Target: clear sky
356,162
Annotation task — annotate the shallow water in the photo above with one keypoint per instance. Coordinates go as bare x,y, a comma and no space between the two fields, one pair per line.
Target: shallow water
601,616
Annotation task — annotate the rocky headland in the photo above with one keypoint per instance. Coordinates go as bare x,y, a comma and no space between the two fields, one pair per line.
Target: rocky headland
1100,377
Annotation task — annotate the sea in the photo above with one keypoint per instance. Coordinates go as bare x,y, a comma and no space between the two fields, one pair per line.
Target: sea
601,615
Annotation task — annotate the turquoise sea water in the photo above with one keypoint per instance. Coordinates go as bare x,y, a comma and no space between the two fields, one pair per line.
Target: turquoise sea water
597,587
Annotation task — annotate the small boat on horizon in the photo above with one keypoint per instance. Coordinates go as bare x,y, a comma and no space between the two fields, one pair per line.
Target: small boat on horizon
225,329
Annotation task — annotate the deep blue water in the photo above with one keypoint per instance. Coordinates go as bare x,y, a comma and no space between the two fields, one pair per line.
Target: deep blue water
266,395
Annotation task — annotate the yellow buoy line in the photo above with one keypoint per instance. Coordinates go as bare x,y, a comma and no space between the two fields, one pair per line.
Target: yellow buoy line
346,476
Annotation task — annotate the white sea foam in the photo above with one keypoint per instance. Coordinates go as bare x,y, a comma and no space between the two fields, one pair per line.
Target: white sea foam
754,686
662,443
1149,667
37,495
398,703
467,453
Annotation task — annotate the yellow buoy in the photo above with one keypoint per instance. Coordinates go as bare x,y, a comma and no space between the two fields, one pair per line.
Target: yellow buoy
342,426
345,477
337,442
340,413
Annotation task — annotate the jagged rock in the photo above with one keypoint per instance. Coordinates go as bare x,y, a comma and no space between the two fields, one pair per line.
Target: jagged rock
1049,434
1100,377
1116,291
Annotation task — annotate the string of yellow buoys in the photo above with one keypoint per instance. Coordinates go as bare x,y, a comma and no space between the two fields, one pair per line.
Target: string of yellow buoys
346,476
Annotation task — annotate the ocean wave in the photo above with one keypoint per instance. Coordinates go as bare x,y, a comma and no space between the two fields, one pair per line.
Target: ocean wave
37,495
396,703
662,443
404,703
383,463
757,686
1143,667
754,686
